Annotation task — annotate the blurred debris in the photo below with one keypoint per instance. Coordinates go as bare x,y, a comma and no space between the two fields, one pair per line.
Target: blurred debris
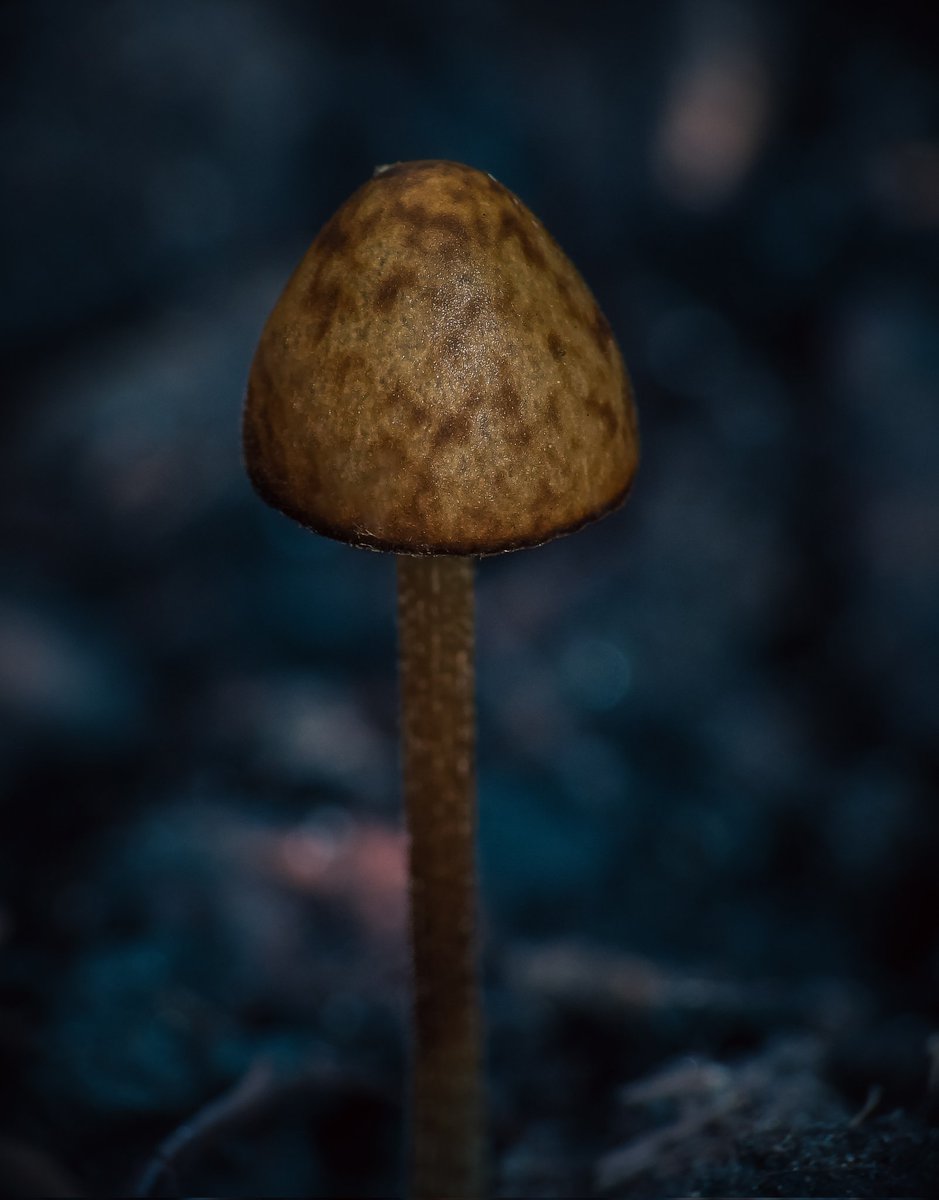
359,864
573,974
600,981
708,1103
63,680
299,730
718,106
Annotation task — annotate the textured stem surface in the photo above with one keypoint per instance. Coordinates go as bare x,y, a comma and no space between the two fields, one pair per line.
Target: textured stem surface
435,621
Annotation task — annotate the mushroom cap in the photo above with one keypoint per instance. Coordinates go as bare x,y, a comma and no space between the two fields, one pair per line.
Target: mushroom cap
436,377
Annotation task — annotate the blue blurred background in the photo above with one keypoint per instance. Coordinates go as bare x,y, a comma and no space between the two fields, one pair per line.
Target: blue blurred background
708,724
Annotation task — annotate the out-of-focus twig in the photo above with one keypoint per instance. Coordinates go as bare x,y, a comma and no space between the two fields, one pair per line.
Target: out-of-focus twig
642,1154
258,1091
232,1107
874,1096
594,978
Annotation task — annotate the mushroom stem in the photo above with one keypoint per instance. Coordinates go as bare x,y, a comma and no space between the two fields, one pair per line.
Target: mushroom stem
435,623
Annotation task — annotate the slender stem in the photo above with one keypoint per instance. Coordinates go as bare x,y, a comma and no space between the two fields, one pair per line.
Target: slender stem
435,622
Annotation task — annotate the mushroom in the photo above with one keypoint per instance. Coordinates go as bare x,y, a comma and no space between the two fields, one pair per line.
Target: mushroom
437,381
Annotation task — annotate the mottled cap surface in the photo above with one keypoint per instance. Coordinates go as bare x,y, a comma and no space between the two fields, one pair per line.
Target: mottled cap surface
436,376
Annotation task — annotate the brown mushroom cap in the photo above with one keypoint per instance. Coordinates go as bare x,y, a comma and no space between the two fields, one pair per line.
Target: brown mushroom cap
436,377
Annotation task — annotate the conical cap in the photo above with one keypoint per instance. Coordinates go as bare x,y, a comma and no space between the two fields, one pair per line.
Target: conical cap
436,377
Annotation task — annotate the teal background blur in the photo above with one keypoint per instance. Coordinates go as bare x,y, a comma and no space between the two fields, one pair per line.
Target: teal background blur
708,724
